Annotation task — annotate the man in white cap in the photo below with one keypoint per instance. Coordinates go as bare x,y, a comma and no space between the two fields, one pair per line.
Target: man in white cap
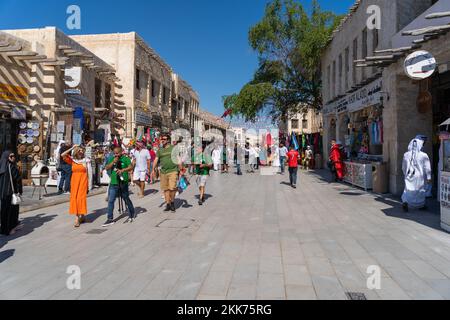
417,170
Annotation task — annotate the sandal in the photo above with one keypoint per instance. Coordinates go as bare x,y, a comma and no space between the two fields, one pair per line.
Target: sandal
77,223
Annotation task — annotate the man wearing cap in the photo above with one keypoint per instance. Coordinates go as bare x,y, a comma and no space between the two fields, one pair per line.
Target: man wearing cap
417,170
141,164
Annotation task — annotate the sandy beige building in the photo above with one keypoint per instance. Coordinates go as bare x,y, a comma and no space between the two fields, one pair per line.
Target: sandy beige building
41,63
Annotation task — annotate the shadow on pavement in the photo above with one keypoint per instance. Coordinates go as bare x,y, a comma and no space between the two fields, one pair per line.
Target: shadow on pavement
6,254
150,192
207,196
29,225
430,217
182,203
346,193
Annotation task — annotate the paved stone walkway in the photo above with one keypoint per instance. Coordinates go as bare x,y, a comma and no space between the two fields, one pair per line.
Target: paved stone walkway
255,238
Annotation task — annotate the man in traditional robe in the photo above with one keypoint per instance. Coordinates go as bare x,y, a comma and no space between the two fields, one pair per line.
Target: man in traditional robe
417,170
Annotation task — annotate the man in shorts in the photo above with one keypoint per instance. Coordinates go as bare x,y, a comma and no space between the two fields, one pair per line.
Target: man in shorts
141,163
203,164
171,165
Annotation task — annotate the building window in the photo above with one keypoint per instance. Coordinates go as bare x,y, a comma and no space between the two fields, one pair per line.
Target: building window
165,96
355,57
334,79
107,95
305,123
138,79
347,66
294,124
340,74
329,82
375,39
98,93
364,50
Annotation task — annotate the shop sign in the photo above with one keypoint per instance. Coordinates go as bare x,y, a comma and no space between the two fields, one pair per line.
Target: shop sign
360,99
18,113
420,65
13,93
143,118
72,91
72,76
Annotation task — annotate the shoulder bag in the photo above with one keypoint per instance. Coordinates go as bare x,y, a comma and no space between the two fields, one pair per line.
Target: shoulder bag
16,198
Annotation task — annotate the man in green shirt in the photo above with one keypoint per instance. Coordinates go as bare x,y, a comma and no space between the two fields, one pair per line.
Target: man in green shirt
171,165
120,166
203,165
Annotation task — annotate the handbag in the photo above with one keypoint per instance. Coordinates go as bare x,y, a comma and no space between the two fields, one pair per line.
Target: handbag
16,198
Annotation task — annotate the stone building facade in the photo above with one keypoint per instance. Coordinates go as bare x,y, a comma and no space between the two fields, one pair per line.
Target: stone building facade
145,88
41,67
310,121
357,87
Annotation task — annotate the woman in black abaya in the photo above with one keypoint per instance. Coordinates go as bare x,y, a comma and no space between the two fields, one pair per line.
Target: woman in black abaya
9,214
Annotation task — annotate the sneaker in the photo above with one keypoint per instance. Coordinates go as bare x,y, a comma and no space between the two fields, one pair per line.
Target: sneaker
294,186
129,220
200,202
172,207
108,223
168,208
67,192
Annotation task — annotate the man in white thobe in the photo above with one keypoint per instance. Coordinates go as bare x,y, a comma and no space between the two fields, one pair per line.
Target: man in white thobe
417,170
216,156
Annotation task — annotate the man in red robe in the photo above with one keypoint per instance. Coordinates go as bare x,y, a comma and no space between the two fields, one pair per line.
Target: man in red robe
336,160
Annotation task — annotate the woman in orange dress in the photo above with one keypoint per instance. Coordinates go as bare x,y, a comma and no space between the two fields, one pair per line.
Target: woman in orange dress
79,185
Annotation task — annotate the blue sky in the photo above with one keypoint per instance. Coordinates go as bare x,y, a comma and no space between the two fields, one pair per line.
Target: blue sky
205,41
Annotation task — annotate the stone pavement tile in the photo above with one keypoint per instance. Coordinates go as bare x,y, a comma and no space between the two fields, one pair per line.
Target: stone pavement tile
353,248
415,287
271,250
364,264
320,267
271,265
216,284
328,288
270,286
390,290
424,270
297,275
224,263
245,274
242,292
313,249
349,276
335,253
441,286
160,286
293,256
298,292
185,290
209,297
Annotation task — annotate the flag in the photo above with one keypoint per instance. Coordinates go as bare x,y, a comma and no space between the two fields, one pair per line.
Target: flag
227,113
294,141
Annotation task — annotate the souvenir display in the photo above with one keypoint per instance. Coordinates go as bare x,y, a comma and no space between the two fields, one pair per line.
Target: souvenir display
36,133
30,140
23,125
35,126
36,149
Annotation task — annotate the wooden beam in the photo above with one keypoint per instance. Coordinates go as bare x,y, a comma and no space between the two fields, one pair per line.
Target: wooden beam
437,15
64,47
11,48
75,54
55,63
33,58
68,51
376,58
21,54
422,31
4,43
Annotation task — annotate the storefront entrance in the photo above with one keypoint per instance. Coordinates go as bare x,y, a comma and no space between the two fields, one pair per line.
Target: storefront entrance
440,90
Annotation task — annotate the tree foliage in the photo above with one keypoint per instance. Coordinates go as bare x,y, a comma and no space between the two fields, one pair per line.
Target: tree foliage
289,43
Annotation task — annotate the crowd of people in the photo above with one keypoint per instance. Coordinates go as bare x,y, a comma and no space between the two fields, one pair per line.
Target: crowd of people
140,163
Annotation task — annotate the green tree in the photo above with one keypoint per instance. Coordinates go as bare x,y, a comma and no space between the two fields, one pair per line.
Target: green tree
289,43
